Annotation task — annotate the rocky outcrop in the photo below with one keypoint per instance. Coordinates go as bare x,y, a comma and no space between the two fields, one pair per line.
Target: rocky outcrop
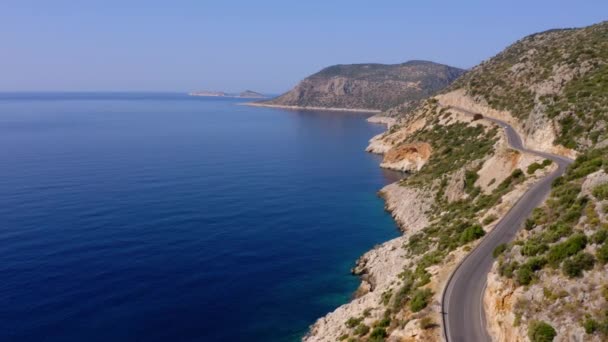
407,205
593,180
499,300
407,157
396,134
384,120
368,86
454,190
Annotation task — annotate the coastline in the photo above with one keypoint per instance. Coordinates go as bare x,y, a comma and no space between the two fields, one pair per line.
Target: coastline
333,109
379,268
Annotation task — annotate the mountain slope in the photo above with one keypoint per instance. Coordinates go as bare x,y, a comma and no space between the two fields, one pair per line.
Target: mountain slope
369,86
560,76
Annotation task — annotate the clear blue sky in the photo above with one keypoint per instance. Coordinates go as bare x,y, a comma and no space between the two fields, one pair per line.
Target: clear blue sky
260,45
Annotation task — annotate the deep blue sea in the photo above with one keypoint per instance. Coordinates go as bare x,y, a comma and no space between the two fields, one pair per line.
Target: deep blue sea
163,217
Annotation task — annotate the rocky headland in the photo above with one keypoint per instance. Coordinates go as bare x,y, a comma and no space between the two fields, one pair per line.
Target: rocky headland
367,87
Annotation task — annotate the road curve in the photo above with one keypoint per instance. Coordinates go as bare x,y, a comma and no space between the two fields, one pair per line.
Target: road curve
462,301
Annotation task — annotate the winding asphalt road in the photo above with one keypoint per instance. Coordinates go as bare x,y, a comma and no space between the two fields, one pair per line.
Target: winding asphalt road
462,303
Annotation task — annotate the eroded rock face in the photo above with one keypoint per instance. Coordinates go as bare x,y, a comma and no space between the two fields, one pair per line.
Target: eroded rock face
407,205
454,191
499,300
382,143
407,157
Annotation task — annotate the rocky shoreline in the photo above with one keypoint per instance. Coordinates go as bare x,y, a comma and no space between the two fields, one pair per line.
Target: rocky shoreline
380,268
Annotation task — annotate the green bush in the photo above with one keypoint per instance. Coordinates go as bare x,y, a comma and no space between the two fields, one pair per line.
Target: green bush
601,192
533,247
471,233
590,325
383,323
499,250
529,224
536,263
361,329
489,219
517,174
533,167
420,299
602,253
600,236
507,269
574,266
353,322
555,232
539,331
524,275
378,334
571,246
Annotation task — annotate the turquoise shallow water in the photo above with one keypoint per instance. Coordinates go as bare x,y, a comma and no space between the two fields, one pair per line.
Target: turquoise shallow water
162,216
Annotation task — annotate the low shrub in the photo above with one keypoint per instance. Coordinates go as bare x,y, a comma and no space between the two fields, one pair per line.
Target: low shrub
508,269
533,247
471,233
539,331
353,322
533,167
378,334
361,329
601,192
571,246
600,236
489,219
427,323
574,266
602,253
590,325
420,299
499,250
524,275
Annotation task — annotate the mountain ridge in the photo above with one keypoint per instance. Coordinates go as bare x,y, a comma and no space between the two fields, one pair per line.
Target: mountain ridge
371,86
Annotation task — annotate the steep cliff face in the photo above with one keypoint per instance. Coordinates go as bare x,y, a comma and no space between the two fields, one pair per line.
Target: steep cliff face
369,86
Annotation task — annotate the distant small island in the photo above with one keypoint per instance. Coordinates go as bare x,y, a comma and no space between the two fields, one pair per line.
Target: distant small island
248,94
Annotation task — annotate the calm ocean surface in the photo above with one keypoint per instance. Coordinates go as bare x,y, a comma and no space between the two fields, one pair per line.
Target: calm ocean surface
157,217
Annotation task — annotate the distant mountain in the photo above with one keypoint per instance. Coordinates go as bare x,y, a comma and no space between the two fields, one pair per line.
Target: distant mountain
368,86
207,93
251,95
